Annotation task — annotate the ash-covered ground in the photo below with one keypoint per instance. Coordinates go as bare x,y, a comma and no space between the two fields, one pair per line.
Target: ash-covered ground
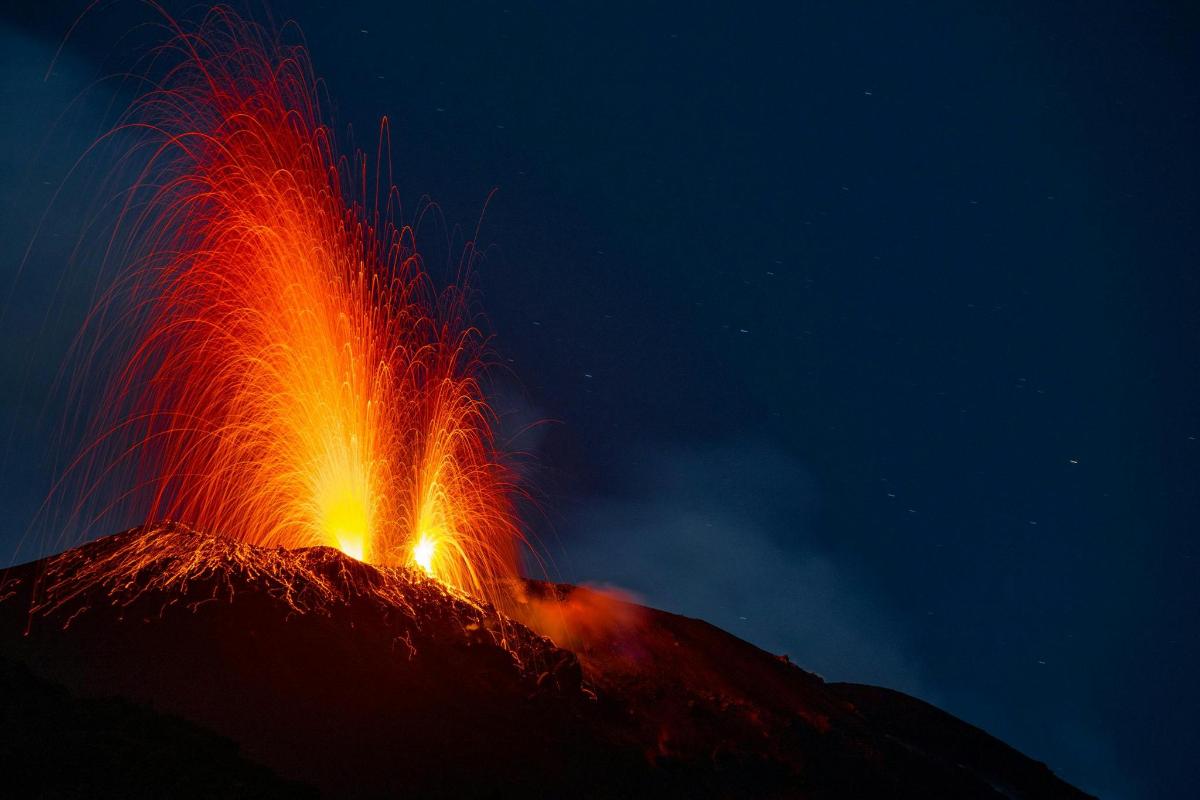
162,662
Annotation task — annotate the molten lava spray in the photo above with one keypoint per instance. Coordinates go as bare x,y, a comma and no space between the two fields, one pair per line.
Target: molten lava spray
289,375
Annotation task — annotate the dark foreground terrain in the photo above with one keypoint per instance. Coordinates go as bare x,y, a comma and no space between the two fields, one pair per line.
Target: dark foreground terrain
164,662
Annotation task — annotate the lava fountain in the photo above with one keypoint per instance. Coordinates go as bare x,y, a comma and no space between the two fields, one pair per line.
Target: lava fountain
286,372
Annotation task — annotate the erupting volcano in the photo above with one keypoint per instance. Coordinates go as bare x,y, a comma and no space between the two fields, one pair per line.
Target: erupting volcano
324,594
286,371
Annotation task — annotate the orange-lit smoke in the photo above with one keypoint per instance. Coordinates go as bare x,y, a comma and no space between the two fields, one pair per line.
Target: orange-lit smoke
289,375
580,618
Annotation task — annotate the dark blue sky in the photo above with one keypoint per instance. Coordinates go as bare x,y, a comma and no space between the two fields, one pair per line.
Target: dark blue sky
869,330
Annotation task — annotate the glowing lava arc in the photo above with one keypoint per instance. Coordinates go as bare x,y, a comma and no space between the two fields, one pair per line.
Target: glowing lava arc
288,373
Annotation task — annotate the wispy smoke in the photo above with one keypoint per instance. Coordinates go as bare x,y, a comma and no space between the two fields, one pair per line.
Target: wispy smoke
721,534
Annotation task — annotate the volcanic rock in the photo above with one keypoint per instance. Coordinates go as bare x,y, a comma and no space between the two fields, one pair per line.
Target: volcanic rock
165,662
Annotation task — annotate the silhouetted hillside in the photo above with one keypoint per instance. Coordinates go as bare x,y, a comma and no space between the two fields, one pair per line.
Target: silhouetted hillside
234,669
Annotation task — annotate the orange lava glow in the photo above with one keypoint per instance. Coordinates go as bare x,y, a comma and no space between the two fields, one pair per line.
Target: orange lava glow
290,375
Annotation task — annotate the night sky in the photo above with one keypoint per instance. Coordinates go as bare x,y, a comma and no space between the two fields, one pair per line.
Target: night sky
867,332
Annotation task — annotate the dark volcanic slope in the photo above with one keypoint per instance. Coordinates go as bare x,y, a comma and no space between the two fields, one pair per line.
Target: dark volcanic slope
365,682
57,745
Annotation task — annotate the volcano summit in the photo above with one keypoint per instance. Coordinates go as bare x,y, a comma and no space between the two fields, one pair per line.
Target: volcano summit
162,661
